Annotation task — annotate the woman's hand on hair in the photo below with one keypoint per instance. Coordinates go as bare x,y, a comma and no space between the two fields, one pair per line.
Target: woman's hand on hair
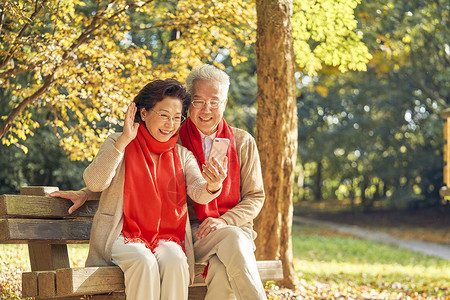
130,128
214,174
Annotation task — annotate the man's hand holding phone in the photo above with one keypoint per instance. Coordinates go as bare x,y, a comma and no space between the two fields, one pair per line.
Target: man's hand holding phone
215,168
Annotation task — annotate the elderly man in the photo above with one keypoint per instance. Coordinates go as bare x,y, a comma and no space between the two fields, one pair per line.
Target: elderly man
223,229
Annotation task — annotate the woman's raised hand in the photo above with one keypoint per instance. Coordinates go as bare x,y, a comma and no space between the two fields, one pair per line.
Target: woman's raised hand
130,128
214,174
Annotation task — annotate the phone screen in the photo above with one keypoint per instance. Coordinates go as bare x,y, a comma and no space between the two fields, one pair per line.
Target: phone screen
219,149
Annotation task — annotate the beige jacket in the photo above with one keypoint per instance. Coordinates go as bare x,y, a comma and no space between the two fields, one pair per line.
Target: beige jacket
106,174
251,186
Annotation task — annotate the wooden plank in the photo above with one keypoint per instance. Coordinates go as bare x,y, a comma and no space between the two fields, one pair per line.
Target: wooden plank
47,284
48,257
22,231
270,269
38,190
4,231
85,281
111,296
29,284
25,206
98,280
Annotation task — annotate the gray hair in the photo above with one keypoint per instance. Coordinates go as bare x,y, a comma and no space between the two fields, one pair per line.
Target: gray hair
208,72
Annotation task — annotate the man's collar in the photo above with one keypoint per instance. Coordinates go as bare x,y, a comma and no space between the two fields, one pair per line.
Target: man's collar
211,136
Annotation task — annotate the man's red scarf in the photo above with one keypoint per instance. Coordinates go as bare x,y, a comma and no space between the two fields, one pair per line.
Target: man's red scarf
229,197
154,196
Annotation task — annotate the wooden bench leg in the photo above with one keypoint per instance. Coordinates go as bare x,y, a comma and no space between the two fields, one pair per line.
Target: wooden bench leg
46,257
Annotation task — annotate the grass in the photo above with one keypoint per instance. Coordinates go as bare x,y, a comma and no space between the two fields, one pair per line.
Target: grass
330,266
340,261
14,261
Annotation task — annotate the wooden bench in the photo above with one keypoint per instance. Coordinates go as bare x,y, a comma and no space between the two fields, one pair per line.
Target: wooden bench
43,223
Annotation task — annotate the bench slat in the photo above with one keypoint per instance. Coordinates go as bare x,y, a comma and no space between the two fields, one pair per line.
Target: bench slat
24,206
47,284
30,284
84,281
98,280
23,231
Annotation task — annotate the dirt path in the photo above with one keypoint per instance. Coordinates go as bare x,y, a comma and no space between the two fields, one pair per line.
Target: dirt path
377,236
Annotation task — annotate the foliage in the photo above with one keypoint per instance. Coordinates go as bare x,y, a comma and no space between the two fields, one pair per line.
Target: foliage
80,60
325,33
378,135
412,35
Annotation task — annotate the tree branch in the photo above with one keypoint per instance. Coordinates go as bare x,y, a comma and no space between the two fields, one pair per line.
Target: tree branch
22,32
86,35
18,110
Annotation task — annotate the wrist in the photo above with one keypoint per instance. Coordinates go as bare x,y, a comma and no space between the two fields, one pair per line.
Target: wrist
85,196
212,189
122,142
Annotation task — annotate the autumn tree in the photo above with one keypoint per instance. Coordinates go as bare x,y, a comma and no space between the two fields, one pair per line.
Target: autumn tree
320,32
78,60
380,132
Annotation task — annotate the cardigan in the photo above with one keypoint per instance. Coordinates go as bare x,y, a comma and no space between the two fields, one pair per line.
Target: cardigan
251,186
106,174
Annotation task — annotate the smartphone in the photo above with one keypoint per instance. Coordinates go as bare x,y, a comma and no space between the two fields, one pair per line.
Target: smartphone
219,149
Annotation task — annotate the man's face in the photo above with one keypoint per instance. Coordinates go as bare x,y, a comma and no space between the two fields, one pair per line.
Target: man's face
206,118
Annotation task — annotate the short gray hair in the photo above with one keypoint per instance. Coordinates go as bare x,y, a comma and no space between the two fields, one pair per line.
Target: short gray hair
208,72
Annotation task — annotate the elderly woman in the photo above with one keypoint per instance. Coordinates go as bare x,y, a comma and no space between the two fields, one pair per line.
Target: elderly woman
141,224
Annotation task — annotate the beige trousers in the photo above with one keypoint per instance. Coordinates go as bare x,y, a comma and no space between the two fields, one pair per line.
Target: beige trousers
232,271
163,275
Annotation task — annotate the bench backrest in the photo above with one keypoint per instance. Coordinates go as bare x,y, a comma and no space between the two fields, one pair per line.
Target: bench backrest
44,219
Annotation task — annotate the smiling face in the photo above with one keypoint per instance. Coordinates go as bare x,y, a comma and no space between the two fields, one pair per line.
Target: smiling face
207,118
162,130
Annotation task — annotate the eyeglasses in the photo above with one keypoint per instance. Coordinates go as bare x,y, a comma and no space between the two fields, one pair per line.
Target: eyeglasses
201,103
166,117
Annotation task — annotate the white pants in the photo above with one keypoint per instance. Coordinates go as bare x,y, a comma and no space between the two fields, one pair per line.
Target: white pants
163,275
232,271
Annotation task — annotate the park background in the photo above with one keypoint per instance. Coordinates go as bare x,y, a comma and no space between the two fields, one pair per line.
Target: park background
358,112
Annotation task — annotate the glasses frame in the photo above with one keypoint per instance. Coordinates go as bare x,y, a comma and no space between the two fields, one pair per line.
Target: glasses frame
219,103
169,118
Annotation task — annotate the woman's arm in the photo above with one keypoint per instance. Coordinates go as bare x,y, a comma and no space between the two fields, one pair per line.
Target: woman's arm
99,174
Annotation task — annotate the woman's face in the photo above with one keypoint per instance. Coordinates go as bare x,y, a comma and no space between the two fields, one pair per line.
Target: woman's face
163,120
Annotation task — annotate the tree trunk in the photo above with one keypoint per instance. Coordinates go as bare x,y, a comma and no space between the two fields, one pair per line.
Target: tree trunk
318,187
276,132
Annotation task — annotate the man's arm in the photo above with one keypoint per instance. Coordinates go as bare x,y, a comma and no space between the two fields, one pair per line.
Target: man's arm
252,188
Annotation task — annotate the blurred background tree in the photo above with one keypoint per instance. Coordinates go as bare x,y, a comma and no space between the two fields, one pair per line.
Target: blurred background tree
375,138
365,138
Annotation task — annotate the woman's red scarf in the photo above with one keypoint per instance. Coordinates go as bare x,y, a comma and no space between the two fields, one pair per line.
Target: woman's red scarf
154,197
229,197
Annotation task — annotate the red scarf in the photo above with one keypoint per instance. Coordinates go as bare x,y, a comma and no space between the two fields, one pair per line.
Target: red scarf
154,197
229,197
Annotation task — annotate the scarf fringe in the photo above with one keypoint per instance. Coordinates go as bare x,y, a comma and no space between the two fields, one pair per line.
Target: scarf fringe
155,243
